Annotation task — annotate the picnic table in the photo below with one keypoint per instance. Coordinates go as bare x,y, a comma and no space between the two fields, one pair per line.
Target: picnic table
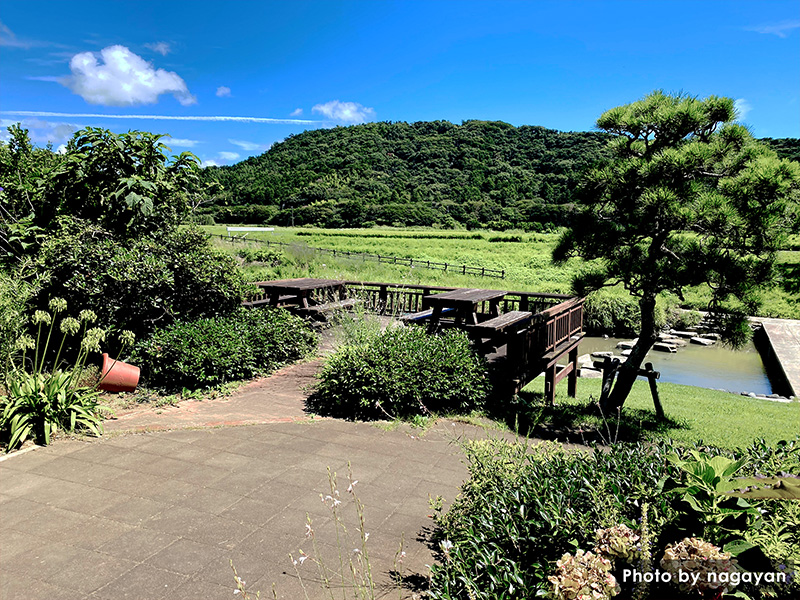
301,291
464,303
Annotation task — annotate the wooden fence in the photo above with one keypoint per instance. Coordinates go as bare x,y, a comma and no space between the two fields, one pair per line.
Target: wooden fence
414,263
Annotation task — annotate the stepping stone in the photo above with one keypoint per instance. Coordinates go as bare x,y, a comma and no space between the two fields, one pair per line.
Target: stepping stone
589,373
627,345
683,334
664,347
602,355
627,352
703,341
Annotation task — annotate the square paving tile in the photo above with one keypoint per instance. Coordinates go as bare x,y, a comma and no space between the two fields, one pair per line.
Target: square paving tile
137,544
143,581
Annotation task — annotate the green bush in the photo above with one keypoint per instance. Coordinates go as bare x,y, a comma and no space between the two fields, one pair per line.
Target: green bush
523,508
204,352
400,372
138,284
263,255
613,315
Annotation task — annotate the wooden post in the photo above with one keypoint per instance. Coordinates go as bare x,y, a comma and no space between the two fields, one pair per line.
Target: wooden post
550,385
651,378
610,367
572,381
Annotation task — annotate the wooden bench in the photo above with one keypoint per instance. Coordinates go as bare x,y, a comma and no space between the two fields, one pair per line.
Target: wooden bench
267,301
514,318
321,310
422,315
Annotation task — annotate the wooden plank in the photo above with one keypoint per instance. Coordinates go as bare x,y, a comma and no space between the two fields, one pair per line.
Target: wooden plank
503,322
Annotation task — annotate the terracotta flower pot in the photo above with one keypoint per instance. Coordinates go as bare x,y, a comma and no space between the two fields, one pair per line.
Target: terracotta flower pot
117,376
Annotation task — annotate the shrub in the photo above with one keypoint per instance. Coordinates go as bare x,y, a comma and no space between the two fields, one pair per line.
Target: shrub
262,255
142,283
211,351
616,315
524,508
402,371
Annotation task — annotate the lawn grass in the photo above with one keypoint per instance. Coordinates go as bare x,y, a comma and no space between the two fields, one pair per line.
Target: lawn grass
526,263
693,414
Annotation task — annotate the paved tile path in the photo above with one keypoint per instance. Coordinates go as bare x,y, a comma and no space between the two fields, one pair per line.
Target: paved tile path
161,515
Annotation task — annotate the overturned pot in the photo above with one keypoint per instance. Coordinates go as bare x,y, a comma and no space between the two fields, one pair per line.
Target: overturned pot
117,376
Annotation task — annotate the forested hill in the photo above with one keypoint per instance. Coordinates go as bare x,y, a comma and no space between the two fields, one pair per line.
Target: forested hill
425,173
417,174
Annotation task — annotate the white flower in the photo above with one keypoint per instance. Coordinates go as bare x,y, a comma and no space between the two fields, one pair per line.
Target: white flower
309,531
350,487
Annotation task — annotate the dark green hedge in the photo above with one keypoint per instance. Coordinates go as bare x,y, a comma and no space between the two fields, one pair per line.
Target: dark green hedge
211,351
403,372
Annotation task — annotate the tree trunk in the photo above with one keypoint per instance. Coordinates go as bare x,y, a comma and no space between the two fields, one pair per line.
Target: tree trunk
629,370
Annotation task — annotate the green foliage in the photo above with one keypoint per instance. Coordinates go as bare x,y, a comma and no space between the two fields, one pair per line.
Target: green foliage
702,487
262,255
212,351
421,173
140,283
38,401
23,170
611,314
37,405
524,507
401,372
14,293
125,183
689,198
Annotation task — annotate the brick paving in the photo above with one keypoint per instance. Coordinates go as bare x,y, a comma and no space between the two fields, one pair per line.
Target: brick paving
161,514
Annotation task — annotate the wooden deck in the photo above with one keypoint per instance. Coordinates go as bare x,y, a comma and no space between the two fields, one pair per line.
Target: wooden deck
522,334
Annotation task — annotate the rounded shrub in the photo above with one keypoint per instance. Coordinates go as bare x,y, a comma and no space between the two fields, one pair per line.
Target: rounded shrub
211,351
401,372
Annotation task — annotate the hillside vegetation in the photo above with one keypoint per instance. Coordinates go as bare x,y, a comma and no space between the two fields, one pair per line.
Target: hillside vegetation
423,173
479,173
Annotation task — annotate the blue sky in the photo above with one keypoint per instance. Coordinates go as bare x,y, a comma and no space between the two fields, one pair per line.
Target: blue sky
294,65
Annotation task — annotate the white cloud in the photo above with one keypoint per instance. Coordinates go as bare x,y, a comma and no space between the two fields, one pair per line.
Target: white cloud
209,163
45,113
229,155
223,91
248,146
181,142
742,107
781,29
163,48
122,79
345,112
296,112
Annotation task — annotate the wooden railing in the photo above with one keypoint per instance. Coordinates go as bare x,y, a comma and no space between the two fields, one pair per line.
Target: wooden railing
398,299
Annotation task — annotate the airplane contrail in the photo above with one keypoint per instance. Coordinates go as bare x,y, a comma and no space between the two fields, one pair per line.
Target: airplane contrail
39,113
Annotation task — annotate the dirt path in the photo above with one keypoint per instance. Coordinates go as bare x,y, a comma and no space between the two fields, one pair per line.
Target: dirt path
274,399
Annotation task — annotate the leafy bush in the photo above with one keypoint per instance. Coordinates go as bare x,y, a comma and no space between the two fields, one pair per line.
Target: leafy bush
263,255
139,284
524,508
402,371
617,315
211,351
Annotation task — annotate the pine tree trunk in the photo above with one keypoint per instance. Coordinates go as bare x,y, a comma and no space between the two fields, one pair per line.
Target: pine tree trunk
629,370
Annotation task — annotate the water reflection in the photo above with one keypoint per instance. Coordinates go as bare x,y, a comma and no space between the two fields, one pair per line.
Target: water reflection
716,367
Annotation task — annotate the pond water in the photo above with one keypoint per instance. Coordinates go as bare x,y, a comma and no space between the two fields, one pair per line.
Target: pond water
716,367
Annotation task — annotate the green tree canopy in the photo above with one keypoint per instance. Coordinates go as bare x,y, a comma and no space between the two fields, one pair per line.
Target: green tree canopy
689,198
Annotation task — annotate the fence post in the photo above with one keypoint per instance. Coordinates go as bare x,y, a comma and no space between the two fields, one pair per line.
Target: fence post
464,269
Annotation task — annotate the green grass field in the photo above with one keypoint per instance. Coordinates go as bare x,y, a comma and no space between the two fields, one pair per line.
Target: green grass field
526,264
693,414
